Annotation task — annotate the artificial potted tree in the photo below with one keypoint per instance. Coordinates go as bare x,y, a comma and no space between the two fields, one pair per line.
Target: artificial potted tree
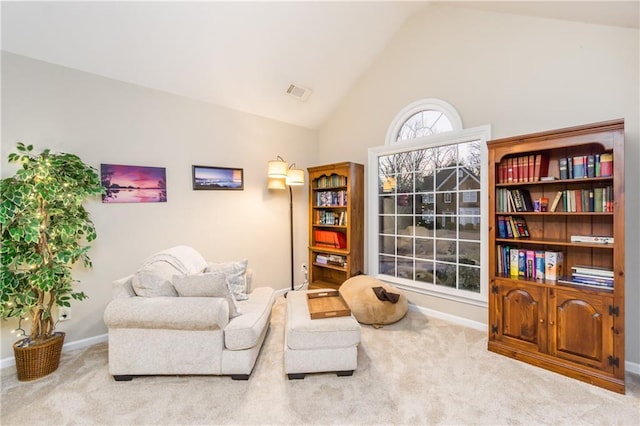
45,230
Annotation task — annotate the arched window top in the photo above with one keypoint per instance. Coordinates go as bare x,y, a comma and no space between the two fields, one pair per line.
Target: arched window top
423,118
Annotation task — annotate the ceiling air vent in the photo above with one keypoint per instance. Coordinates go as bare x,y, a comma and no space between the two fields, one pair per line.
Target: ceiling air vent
299,92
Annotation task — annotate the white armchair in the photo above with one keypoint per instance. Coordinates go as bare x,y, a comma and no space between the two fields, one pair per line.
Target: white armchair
154,331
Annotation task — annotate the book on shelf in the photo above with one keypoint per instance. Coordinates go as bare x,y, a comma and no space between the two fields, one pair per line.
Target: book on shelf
579,166
541,167
594,279
591,166
594,239
556,201
539,265
522,200
593,270
554,262
513,262
562,165
331,239
585,284
525,168
519,226
606,165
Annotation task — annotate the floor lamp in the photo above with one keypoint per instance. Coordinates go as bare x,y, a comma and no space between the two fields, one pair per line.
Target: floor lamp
282,175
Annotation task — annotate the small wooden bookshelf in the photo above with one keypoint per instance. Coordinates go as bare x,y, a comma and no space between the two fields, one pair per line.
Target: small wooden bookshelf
336,224
573,325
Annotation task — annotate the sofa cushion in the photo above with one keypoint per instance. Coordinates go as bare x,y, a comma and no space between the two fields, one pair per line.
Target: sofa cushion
154,280
244,331
236,273
210,284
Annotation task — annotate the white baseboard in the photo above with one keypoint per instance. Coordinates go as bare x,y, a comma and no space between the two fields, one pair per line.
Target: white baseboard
78,344
631,367
450,318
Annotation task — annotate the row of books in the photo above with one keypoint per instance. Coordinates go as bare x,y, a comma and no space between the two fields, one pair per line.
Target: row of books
585,200
332,181
525,168
331,259
591,276
586,166
331,198
330,217
512,227
513,200
534,264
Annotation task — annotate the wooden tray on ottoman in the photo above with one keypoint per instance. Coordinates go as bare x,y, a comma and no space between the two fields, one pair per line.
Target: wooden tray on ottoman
327,304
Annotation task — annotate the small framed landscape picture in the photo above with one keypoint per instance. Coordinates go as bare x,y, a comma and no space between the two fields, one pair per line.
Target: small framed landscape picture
207,177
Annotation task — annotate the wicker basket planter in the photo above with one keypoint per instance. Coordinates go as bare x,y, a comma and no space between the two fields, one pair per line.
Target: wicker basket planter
33,362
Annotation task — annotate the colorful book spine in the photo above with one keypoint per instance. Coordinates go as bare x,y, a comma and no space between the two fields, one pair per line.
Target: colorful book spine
539,261
513,262
606,165
554,263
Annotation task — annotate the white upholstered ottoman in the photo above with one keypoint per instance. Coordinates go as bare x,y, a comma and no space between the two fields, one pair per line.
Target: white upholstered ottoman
318,345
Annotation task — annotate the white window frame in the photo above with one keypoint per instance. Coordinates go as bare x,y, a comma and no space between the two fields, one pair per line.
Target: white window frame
481,133
418,106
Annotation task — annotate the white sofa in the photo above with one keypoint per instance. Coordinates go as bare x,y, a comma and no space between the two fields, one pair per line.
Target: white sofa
154,330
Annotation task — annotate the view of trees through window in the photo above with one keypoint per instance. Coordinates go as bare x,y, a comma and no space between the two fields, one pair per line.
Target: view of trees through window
429,215
424,123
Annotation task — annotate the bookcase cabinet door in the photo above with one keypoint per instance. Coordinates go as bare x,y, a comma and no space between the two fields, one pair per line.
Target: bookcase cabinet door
583,328
521,315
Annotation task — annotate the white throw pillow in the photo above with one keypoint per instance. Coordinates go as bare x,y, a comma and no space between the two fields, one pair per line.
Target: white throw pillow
213,284
154,280
235,273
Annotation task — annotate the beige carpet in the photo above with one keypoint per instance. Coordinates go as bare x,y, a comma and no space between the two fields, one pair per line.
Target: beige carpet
418,371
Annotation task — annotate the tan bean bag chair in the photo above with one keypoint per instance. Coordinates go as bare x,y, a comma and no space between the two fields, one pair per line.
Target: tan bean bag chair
365,305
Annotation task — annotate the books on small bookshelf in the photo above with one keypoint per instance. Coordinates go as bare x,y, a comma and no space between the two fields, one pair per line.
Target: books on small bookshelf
586,166
514,200
331,259
529,264
525,168
332,181
591,276
512,227
331,198
598,199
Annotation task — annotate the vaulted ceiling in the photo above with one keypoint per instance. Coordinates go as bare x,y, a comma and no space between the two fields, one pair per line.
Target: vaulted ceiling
242,55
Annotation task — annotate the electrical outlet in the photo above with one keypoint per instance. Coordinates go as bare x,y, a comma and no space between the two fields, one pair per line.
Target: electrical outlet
64,314
304,267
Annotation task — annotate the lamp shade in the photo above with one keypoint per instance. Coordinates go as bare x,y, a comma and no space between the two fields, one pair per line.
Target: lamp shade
276,183
295,177
277,168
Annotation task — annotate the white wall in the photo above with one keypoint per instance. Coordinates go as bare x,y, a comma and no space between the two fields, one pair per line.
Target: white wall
519,74
106,121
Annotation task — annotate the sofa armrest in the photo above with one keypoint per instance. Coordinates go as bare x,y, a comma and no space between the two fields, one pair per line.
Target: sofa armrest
170,313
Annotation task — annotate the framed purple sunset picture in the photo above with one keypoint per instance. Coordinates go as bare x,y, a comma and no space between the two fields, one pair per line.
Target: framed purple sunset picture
133,184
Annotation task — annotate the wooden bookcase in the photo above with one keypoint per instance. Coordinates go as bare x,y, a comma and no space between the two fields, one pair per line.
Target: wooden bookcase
568,328
336,224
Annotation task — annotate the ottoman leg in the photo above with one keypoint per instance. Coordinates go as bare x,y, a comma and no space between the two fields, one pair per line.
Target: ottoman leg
297,376
344,373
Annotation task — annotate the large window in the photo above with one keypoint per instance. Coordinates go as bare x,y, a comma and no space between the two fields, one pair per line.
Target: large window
426,223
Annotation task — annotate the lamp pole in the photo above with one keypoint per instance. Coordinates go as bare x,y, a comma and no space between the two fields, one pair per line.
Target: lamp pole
291,234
